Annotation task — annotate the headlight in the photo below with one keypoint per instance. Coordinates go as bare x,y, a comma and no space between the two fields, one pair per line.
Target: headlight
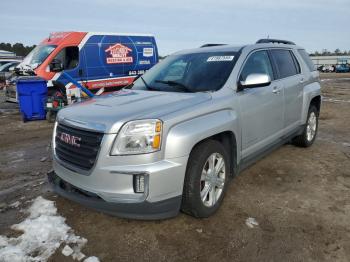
138,137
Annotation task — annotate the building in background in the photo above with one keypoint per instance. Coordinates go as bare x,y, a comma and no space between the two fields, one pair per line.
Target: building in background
6,54
330,60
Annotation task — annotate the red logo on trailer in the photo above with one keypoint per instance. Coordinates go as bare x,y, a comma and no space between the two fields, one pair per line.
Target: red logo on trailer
119,54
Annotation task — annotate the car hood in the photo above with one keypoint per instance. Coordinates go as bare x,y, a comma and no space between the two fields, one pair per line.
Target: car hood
108,113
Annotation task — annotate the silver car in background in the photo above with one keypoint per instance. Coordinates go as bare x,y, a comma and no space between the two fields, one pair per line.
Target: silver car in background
174,139
7,68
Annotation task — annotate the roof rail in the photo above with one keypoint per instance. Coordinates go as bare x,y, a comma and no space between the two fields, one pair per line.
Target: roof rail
210,45
278,41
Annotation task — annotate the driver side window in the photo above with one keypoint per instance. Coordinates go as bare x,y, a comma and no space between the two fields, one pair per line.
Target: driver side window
69,57
257,63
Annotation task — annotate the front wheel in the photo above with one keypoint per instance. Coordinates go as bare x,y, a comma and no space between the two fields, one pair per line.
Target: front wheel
308,136
50,116
206,179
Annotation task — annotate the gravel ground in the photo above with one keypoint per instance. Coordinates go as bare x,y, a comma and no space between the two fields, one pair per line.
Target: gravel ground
299,199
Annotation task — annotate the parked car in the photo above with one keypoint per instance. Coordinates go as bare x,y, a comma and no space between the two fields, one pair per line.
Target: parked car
8,67
174,139
342,68
320,68
328,69
96,60
7,60
6,70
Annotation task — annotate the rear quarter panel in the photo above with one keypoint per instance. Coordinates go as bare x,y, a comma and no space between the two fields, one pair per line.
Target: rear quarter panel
310,91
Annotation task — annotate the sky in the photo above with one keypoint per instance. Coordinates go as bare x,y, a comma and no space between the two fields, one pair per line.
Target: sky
183,24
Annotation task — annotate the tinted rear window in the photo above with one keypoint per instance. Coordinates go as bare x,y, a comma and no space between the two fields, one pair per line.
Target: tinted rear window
284,62
305,56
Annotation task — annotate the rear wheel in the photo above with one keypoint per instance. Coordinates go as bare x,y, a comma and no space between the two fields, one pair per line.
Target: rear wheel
308,136
206,179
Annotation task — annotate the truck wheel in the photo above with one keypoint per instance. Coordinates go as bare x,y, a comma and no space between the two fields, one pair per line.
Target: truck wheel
50,116
206,179
308,136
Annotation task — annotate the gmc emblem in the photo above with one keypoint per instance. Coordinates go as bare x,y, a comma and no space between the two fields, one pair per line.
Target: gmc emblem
70,139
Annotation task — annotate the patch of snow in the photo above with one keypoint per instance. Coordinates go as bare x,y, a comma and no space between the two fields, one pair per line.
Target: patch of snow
15,204
199,230
17,161
43,233
251,222
92,259
333,100
67,251
43,159
78,256
38,184
3,241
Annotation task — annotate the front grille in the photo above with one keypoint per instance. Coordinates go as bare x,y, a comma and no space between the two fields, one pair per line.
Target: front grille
77,147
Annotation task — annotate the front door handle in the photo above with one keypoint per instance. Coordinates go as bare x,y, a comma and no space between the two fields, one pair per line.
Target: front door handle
276,90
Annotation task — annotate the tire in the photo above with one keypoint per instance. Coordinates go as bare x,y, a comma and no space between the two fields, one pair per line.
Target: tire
214,182
306,139
50,117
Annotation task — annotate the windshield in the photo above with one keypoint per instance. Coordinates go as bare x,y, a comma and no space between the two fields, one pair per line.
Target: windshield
196,72
38,55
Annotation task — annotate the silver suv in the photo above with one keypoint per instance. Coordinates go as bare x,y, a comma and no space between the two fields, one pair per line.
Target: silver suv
174,139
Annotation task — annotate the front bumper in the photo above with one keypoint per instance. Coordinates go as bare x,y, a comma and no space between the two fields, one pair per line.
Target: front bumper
11,93
139,210
111,181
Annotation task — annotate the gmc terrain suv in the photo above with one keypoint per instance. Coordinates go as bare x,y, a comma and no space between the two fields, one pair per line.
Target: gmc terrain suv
174,138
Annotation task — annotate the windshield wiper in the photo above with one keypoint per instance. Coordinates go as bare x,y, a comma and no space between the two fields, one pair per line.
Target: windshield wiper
129,86
174,83
147,85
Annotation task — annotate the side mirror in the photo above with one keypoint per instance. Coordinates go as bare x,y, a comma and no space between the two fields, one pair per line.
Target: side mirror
56,65
254,80
11,69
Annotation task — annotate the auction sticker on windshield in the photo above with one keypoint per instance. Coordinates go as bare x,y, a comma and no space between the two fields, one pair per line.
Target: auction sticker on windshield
220,58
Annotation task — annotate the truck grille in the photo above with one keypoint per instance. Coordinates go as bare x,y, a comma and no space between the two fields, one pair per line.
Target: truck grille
77,147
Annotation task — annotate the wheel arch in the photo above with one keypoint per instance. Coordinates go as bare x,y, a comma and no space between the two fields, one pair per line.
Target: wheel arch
221,126
316,101
228,140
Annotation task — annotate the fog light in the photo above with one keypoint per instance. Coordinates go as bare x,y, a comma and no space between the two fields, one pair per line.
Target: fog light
139,183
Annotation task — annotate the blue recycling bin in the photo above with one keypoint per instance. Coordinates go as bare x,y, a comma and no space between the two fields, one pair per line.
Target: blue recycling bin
32,95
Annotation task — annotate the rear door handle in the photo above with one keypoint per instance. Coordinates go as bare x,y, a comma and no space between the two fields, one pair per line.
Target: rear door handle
276,90
301,80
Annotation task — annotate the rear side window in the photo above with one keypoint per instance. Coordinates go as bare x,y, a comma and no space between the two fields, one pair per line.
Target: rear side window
306,58
285,63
